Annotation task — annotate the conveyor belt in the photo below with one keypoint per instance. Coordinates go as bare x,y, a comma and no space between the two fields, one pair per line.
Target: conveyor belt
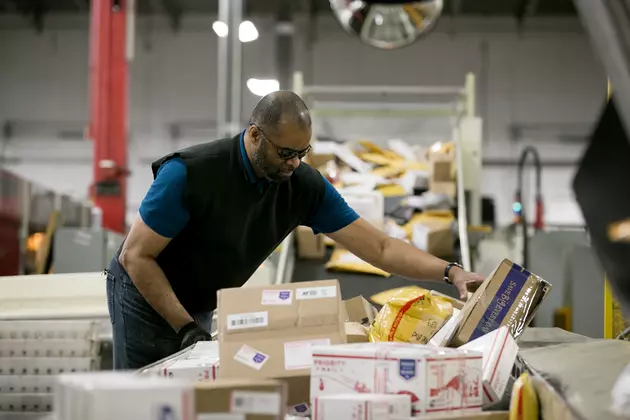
359,284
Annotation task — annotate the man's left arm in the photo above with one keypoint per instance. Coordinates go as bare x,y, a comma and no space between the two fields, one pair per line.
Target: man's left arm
337,220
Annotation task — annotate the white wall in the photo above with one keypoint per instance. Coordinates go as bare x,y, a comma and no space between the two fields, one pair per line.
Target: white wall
547,74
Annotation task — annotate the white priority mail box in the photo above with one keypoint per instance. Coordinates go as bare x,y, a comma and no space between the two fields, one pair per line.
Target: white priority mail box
200,369
499,353
439,381
361,406
204,350
123,397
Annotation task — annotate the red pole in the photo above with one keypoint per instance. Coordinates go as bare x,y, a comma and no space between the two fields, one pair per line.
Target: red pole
108,109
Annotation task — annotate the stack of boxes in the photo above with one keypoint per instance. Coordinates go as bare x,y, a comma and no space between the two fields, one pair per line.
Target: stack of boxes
298,349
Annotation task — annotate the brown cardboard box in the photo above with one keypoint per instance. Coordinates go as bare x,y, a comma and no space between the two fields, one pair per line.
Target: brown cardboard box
433,237
487,415
267,332
442,179
309,245
317,160
356,333
253,399
358,309
509,296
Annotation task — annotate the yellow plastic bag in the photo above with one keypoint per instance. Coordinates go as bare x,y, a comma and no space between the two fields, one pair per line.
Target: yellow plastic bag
410,316
381,298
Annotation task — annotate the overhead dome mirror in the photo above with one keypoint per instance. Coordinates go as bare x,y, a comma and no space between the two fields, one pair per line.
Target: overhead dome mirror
387,24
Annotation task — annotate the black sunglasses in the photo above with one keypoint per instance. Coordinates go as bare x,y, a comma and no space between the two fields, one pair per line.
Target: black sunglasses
285,153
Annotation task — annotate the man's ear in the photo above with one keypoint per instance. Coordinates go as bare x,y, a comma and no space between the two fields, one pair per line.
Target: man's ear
254,133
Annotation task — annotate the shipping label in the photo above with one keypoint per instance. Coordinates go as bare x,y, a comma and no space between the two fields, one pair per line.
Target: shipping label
251,357
277,297
305,293
247,320
299,354
252,402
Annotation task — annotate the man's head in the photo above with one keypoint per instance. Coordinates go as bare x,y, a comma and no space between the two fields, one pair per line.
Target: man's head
280,129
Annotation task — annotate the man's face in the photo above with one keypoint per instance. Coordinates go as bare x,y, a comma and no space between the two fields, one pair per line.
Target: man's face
279,152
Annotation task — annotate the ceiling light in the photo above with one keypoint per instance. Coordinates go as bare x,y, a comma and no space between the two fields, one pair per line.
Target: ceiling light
262,87
220,28
247,31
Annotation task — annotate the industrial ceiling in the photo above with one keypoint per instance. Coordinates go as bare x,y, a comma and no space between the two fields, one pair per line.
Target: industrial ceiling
36,10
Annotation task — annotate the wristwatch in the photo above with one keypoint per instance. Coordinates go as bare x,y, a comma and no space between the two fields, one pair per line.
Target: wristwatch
448,269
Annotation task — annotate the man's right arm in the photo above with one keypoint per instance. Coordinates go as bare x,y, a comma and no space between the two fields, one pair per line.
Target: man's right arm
162,215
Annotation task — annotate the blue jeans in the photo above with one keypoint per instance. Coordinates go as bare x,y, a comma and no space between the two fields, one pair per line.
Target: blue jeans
140,335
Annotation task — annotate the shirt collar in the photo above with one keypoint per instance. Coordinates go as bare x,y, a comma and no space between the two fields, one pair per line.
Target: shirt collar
249,170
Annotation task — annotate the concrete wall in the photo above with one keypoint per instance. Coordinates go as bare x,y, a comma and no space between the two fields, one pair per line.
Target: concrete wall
546,74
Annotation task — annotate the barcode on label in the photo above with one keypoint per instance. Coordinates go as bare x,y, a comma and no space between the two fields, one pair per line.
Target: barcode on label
256,402
250,320
316,292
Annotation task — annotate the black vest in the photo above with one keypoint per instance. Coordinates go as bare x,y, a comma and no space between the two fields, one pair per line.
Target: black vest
233,226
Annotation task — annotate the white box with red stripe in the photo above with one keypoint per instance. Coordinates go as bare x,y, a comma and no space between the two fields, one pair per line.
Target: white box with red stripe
438,381
361,407
499,354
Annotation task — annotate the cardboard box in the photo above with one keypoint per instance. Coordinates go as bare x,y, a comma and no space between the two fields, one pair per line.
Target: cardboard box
361,406
122,397
199,369
436,238
510,296
316,160
249,399
499,353
309,245
358,309
356,333
442,179
267,332
438,381
489,415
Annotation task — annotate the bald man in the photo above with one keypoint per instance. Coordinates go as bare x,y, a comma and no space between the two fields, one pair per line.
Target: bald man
214,213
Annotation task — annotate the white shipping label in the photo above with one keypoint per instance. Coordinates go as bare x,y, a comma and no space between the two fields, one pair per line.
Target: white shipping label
303,293
277,297
299,355
252,402
248,320
221,416
251,357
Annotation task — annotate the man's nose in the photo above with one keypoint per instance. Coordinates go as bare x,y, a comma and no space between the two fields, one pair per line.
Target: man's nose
294,162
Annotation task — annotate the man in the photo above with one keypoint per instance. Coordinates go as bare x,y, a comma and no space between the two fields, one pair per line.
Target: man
215,212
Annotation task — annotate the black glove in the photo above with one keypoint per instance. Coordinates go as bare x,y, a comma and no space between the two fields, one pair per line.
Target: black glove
191,333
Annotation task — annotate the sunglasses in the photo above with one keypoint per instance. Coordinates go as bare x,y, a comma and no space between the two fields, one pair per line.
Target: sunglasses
285,153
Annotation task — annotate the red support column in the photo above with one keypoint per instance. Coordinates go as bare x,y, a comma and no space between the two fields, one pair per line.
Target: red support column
108,109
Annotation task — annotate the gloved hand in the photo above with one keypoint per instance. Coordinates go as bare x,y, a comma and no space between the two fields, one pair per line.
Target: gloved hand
191,333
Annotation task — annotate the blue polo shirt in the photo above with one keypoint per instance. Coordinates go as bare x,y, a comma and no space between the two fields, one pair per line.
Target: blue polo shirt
163,208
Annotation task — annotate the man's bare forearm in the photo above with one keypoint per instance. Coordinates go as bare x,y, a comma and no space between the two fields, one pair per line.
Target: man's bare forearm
151,282
405,260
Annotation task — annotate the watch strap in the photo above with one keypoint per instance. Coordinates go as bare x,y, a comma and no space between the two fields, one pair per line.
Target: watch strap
448,269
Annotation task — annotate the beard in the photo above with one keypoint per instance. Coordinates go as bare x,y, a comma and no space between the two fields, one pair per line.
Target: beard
273,173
